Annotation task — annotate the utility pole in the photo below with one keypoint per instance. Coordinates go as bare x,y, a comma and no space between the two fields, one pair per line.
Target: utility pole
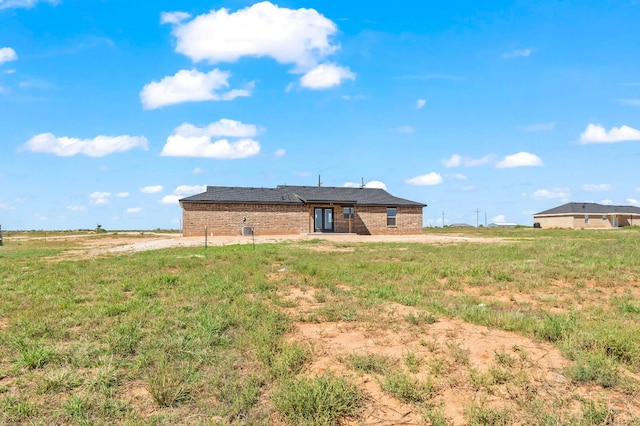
477,213
443,218
485,219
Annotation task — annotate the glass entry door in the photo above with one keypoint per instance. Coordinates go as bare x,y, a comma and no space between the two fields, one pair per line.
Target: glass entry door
323,219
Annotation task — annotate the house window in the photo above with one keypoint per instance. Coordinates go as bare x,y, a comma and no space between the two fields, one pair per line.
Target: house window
391,216
586,218
348,212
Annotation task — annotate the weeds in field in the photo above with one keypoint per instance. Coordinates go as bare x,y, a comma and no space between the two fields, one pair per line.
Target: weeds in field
316,401
207,333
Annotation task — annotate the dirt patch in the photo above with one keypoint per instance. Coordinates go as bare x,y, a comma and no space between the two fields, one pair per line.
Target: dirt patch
469,364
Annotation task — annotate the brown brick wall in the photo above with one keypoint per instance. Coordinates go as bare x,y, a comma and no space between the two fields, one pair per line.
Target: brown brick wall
226,219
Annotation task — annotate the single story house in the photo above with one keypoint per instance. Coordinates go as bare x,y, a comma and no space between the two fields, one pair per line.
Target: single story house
588,216
288,209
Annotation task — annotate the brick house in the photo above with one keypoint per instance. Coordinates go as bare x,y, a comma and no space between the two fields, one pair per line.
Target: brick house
588,216
299,210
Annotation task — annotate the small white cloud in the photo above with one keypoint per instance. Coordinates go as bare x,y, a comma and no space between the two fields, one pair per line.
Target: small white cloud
190,86
633,201
376,184
499,219
601,187
458,176
325,76
548,194
173,17
420,103
191,141
606,202
170,199
198,171
133,210
100,198
6,4
629,102
280,153
122,194
596,133
186,190
456,160
152,189
539,127
5,207
7,54
518,53
372,184
99,146
429,179
406,130
75,208
521,159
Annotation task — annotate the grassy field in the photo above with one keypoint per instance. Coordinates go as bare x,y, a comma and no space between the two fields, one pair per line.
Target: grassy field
188,336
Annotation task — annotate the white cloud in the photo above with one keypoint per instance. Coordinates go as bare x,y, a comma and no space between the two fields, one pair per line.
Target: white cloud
300,37
197,171
134,210
499,219
152,189
191,141
325,76
6,4
606,202
376,184
457,160
96,147
76,208
633,201
420,103
406,130
372,184
190,86
518,53
289,36
629,102
597,187
454,161
521,159
7,54
122,194
173,17
548,194
4,207
429,179
458,176
280,153
539,127
186,190
596,133
100,198
170,199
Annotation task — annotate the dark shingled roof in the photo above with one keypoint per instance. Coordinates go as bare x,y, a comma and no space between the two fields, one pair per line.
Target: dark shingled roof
589,208
285,194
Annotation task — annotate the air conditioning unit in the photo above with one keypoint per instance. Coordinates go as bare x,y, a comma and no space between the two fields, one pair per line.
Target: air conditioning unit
247,231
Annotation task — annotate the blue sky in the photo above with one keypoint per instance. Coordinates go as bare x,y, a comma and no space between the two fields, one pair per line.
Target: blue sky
111,110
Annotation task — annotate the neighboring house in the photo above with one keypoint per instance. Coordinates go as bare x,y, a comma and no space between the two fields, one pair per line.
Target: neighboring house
502,225
299,210
588,216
